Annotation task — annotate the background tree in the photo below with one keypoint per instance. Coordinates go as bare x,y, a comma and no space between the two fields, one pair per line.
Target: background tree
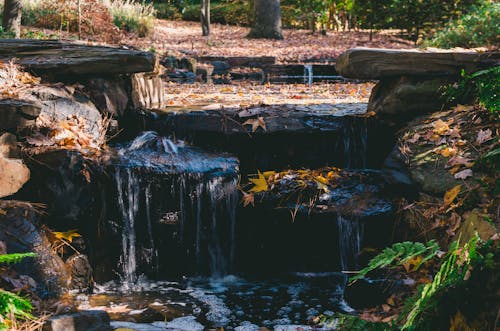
11,20
205,17
267,20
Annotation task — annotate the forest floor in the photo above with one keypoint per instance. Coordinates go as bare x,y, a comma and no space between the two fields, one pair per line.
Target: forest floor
181,38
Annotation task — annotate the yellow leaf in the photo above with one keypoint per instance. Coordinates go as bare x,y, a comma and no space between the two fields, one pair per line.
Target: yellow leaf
260,183
68,235
2,212
226,89
268,174
451,194
448,151
440,127
322,180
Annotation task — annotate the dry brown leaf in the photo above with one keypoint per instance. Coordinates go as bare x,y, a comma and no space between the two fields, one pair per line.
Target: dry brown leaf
463,174
248,199
483,136
256,123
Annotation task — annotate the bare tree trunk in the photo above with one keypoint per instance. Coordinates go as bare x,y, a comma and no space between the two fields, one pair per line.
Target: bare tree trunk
205,17
12,17
267,20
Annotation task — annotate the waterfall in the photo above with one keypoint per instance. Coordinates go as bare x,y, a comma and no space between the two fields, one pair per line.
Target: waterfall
350,237
128,202
308,74
174,203
354,141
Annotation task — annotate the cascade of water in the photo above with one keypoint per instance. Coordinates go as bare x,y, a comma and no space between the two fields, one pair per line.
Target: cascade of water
128,202
350,237
355,136
308,74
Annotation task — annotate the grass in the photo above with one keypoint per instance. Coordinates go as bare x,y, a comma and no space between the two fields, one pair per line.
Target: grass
136,17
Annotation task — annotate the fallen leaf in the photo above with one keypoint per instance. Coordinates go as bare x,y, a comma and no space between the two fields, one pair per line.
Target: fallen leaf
68,235
256,123
483,136
260,183
451,194
248,199
463,174
448,151
440,127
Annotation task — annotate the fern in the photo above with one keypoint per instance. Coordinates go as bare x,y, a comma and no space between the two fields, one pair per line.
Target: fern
451,272
13,306
353,323
399,254
15,257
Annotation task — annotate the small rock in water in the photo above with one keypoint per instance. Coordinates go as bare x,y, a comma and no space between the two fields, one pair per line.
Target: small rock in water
187,323
247,326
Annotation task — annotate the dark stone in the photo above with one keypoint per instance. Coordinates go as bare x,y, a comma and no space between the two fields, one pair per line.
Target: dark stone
396,173
16,115
110,96
372,63
398,100
220,67
204,73
9,147
241,61
91,320
20,233
81,272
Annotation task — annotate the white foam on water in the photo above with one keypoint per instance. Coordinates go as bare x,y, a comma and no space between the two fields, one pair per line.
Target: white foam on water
186,323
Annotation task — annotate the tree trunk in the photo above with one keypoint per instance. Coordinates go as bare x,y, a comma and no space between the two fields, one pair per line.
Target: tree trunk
267,20
12,17
205,17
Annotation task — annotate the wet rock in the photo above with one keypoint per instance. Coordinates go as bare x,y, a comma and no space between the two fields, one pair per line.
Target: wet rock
64,59
183,323
395,171
366,63
220,67
93,320
129,326
17,114
20,233
81,272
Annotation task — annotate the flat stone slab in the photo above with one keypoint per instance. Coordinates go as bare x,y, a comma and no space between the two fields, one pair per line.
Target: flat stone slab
273,118
373,63
63,58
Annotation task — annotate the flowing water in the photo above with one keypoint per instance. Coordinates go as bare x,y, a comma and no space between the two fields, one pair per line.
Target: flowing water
177,222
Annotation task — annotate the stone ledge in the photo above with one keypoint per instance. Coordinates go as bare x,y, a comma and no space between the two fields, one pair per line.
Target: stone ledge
373,63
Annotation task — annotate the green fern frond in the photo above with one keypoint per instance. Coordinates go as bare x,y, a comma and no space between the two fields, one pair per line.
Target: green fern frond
15,257
13,304
399,254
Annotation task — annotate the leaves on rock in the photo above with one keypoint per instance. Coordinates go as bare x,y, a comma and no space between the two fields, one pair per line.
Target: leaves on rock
256,123
67,235
260,183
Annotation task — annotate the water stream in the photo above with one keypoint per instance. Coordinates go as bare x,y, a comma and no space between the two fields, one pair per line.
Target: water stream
178,227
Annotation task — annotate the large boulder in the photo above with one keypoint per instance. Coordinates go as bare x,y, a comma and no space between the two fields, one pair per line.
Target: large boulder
366,63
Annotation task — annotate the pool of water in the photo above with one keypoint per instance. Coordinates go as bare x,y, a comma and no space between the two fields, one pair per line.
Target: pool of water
230,302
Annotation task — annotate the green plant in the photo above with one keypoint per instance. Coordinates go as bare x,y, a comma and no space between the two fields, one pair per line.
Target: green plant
400,254
482,87
480,27
137,17
13,306
344,322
